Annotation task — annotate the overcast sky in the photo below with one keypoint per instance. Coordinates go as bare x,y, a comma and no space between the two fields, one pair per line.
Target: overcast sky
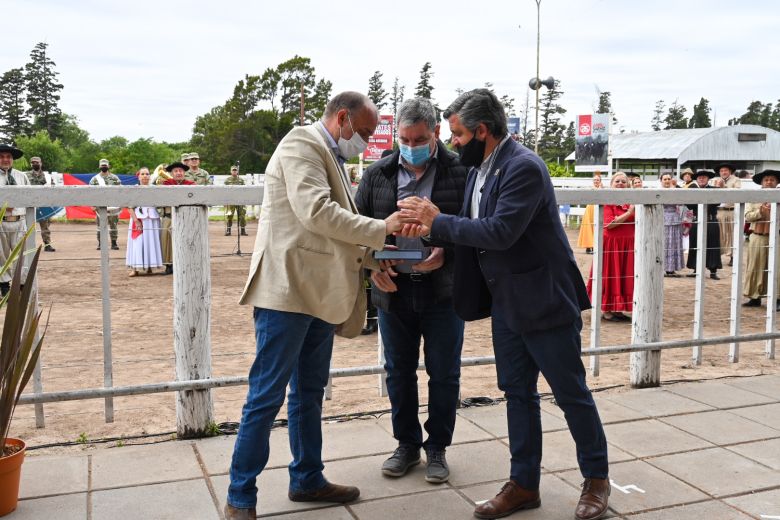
148,69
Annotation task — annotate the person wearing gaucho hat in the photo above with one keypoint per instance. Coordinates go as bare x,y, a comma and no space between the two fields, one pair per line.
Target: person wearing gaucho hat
726,210
687,177
758,215
177,170
13,226
710,217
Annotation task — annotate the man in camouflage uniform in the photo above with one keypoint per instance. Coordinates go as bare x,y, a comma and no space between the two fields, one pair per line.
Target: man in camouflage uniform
197,174
38,177
106,178
235,180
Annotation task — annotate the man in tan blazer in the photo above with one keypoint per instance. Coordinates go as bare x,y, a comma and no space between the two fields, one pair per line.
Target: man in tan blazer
306,283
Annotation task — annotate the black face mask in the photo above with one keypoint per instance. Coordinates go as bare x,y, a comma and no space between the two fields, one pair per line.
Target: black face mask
104,169
472,153
36,167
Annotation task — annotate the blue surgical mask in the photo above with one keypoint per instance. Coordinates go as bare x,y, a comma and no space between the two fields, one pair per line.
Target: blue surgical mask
415,155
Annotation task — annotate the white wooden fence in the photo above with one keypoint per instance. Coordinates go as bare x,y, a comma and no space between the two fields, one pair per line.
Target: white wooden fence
191,277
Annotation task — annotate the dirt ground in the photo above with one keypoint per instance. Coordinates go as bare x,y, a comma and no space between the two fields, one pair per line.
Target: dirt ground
142,338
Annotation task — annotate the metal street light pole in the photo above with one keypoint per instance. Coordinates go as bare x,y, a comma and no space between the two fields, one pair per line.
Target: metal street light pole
536,138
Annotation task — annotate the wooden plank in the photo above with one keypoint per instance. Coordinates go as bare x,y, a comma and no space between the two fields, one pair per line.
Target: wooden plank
596,286
105,280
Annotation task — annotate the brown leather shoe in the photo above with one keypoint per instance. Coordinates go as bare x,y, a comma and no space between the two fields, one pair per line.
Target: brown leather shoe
511,498
328,493
594,499
235,513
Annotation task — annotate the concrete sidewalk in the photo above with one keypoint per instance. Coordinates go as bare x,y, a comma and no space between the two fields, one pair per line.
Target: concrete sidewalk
686,451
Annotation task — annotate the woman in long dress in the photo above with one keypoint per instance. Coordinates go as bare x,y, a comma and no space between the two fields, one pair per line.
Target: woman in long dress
585,238
143,234
617,275
673,232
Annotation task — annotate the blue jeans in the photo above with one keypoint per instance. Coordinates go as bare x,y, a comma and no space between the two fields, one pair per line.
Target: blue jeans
294,348
442,331
556,353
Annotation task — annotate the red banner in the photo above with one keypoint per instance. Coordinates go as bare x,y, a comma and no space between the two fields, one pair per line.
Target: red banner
585,125
381,140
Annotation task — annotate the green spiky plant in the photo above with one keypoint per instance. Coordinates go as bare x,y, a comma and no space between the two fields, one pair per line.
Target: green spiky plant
19,349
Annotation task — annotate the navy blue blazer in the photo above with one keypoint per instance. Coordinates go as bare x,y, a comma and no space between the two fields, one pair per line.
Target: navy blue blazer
514,261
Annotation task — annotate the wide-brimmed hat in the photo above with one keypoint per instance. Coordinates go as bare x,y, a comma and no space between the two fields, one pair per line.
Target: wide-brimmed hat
725,165
709,173
688,171
176,164
757,178
14,151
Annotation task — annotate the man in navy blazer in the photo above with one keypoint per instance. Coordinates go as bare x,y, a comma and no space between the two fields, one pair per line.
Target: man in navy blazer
513,262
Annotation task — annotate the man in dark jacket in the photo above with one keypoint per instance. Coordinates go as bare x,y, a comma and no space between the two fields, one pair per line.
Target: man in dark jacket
415,300
513,262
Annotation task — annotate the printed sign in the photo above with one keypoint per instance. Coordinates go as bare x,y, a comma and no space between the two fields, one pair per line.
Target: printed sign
381,140
592,143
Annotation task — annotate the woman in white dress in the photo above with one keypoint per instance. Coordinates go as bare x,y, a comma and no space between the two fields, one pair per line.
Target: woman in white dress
143,234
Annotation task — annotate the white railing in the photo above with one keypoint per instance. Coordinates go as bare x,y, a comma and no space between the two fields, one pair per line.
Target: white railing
192,275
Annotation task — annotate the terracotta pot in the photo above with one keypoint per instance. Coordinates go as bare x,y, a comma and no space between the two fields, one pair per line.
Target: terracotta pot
10,474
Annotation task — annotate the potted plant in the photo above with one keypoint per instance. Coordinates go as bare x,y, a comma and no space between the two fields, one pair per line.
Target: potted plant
18,355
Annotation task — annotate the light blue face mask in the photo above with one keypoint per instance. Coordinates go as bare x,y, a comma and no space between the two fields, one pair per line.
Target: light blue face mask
415,155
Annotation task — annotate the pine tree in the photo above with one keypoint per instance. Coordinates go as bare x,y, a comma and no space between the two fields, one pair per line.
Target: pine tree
396,98
751,117
658,113
14,119
376,91
43,90
605,106
424,88
701,115
551,131
675,118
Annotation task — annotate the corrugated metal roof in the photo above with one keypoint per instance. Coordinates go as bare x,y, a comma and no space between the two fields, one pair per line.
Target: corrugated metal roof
691,144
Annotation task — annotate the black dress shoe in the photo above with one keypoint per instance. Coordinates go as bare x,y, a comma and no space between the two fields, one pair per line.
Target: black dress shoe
327,493
714,276
49,248
168,269
752,302
370,327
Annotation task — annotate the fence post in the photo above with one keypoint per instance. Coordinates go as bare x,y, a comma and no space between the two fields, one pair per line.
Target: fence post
771,284
105,277
40,421
596,285
380,352
702,221
192,317
645,367
736,280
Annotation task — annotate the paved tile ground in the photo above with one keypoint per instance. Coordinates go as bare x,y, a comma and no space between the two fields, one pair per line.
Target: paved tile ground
686,451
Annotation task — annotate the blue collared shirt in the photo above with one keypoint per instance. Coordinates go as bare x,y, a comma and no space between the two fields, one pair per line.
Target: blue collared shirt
408,186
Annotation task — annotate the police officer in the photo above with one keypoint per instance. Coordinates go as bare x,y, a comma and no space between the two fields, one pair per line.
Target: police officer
196,173
235,180
13,226
38,177
106,178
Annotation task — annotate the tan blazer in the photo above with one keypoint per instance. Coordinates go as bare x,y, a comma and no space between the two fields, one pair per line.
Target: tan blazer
312,244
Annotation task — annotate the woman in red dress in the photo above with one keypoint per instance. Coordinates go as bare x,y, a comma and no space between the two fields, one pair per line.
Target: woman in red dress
617,286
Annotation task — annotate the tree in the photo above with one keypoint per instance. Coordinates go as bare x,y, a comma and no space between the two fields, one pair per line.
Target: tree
424,88
569,138
701,115
53,154
315,105
43,90
658,113
295,74
605,107
376,91
15,121
752,116
551,132
396,98
675,118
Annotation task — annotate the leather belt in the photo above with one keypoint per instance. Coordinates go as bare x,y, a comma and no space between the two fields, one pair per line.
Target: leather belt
12,218
726,209
166,213
760,234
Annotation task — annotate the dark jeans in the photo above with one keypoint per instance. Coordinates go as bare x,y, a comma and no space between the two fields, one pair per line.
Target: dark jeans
442,331
556,353
294,348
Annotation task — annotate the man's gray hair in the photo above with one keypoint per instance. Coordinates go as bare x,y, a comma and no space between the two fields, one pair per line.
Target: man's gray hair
414,110
479,106
352,101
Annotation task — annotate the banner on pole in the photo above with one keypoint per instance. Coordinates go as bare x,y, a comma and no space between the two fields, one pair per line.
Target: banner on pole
591,149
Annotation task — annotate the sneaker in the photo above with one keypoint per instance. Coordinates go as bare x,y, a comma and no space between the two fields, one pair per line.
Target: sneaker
403,458
436,471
